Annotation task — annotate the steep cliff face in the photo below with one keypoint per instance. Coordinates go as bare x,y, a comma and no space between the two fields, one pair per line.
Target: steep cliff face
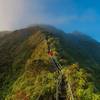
25,64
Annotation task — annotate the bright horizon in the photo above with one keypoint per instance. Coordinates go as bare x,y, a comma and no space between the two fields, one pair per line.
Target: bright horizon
68,15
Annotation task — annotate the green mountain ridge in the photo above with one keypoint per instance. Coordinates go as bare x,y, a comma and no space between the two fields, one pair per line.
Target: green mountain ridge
25,67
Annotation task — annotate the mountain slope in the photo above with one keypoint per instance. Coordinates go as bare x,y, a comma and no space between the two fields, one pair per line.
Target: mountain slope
15,49
23,55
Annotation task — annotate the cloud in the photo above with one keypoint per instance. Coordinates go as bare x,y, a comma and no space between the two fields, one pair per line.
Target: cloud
17,13
10,12
21,13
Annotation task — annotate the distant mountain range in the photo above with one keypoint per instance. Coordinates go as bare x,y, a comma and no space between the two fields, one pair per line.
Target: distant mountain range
25,50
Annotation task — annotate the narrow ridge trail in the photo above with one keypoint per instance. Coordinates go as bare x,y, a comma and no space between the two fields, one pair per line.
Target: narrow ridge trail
62,85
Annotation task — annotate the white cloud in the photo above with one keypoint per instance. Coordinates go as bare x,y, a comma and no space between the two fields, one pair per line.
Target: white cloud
20,13
17,13
10,11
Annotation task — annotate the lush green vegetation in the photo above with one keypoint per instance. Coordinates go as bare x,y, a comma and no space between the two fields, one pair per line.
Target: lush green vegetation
28,87
81,84
26,71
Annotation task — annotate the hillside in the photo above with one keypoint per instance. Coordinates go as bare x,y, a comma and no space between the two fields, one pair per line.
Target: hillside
3,33
26,68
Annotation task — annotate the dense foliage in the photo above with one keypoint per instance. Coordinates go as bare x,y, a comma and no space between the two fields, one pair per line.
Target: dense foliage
28,87
27,73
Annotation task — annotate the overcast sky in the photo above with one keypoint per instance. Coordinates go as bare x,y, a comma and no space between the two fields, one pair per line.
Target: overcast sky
69,15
